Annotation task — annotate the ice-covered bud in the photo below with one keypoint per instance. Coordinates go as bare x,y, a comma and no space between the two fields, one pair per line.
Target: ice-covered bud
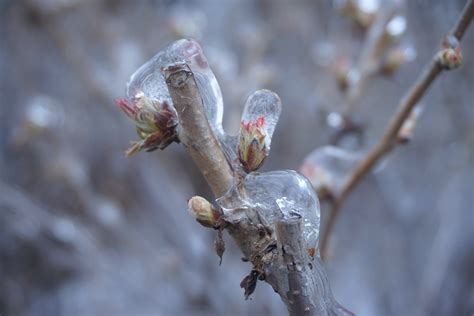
327,169
261,113
362,12
405,133
396,27
252,149
155,122
149,80
395,58
450,57
203,211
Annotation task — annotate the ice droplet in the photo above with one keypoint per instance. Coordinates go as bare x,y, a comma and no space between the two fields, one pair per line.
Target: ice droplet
149,80
276,195
327,168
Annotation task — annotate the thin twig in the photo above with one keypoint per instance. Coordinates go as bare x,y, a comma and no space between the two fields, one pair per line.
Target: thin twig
388,140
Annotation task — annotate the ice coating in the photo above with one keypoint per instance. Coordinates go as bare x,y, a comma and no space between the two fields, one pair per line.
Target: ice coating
327,168
149,80
262,106
276,195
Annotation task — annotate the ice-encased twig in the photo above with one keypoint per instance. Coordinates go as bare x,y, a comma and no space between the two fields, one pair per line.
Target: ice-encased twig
304,278
195,131
274,195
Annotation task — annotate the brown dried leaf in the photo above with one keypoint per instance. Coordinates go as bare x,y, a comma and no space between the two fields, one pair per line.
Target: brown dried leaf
219,244
249,283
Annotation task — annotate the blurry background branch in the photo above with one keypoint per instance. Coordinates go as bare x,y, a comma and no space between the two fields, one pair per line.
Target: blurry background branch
381,55
371,54
447,58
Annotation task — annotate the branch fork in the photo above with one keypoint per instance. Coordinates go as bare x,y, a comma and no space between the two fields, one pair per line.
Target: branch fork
276,258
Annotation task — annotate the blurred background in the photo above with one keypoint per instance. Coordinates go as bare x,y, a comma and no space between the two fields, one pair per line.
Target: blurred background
86,231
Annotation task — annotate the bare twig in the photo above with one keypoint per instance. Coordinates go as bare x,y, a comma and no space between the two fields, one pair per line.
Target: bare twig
388,141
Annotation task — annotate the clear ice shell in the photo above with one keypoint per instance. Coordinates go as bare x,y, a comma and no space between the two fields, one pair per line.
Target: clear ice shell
275,195
327,167
149,80
266,104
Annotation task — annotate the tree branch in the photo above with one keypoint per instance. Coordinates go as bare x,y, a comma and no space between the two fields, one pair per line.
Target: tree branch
194,130
388,140
300,280
307,287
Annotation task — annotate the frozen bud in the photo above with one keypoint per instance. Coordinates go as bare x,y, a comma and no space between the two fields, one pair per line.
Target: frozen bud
341,70
149,80
405,133
346,76
362,12
396,27
327,169
450,57
397,57
155,122
252,149
261,113
203,211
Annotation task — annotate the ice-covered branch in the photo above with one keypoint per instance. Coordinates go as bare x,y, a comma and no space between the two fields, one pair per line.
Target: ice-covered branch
194,130
176,94
308,290
447,58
